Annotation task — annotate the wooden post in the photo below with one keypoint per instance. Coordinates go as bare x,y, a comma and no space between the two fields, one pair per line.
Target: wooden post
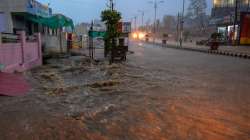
39,48
60,38
178,28
91,42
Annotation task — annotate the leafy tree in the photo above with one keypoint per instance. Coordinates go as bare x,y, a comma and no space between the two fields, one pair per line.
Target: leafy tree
111,18
197,11
169,23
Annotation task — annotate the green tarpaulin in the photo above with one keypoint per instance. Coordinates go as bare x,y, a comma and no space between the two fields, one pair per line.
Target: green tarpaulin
54,22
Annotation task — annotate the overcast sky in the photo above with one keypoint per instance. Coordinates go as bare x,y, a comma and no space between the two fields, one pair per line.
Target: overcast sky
87,10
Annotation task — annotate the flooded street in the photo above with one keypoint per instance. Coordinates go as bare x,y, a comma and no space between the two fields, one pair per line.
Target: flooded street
158,94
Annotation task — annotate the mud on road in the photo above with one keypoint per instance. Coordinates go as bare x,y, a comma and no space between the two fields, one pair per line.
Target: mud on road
74,99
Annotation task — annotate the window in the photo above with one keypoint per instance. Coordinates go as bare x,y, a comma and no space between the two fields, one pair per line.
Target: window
2,22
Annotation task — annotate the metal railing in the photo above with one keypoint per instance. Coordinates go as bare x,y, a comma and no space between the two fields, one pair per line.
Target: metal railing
9,38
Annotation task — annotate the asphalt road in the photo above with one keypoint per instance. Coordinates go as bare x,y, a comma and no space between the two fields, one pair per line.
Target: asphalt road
206,96
158,94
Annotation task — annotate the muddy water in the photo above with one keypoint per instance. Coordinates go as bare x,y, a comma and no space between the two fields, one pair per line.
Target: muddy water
158,94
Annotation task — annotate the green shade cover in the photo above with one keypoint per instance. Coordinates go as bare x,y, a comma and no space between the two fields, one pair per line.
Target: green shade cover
54,22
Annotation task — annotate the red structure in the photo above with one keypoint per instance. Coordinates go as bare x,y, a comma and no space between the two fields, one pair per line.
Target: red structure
13,85
245,29
69,41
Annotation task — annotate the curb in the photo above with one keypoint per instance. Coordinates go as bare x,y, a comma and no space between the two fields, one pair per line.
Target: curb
216,52
230,53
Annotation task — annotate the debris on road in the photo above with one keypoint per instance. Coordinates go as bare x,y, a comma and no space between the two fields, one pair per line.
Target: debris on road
108,83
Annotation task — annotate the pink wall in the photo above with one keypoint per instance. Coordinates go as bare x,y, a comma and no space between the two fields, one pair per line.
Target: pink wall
21,56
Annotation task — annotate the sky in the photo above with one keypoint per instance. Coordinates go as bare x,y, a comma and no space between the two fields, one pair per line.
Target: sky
87,10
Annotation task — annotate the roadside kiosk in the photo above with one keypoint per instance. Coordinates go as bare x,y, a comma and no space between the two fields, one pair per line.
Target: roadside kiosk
119,52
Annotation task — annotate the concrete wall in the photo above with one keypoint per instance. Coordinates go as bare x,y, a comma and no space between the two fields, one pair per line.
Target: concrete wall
82,29
13,5
8,6
20,56
2,22
51,44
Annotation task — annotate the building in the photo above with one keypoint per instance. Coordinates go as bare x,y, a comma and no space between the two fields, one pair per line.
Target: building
32,17
14,15
98,25
223,16
82,29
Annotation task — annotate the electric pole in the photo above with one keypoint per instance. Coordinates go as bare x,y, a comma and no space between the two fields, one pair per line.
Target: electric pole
155,3
135,23
178,28
142,18
111,5
182,23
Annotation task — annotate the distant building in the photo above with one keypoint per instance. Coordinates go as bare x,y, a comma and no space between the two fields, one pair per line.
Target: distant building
222,8
82,29
223,15
99,25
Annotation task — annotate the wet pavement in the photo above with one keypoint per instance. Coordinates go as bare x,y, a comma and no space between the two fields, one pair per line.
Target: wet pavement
158,94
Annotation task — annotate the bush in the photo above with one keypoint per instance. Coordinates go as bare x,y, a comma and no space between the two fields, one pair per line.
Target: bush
165,35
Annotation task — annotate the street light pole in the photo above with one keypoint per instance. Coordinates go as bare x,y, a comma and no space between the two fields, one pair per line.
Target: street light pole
155,3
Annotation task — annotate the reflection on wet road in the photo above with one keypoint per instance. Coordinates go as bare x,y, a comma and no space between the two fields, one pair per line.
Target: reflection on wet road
159,94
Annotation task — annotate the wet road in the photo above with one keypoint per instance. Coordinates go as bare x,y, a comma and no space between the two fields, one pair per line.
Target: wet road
158,94
211,92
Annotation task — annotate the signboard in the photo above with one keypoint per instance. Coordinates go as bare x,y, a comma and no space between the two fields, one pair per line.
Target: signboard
124,27
36,8
96,34
245,29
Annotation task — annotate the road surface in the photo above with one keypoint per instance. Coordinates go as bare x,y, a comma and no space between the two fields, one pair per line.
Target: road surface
158,94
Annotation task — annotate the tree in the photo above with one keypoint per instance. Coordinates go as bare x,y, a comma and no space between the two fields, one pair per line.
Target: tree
111,18
169,23
197,11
